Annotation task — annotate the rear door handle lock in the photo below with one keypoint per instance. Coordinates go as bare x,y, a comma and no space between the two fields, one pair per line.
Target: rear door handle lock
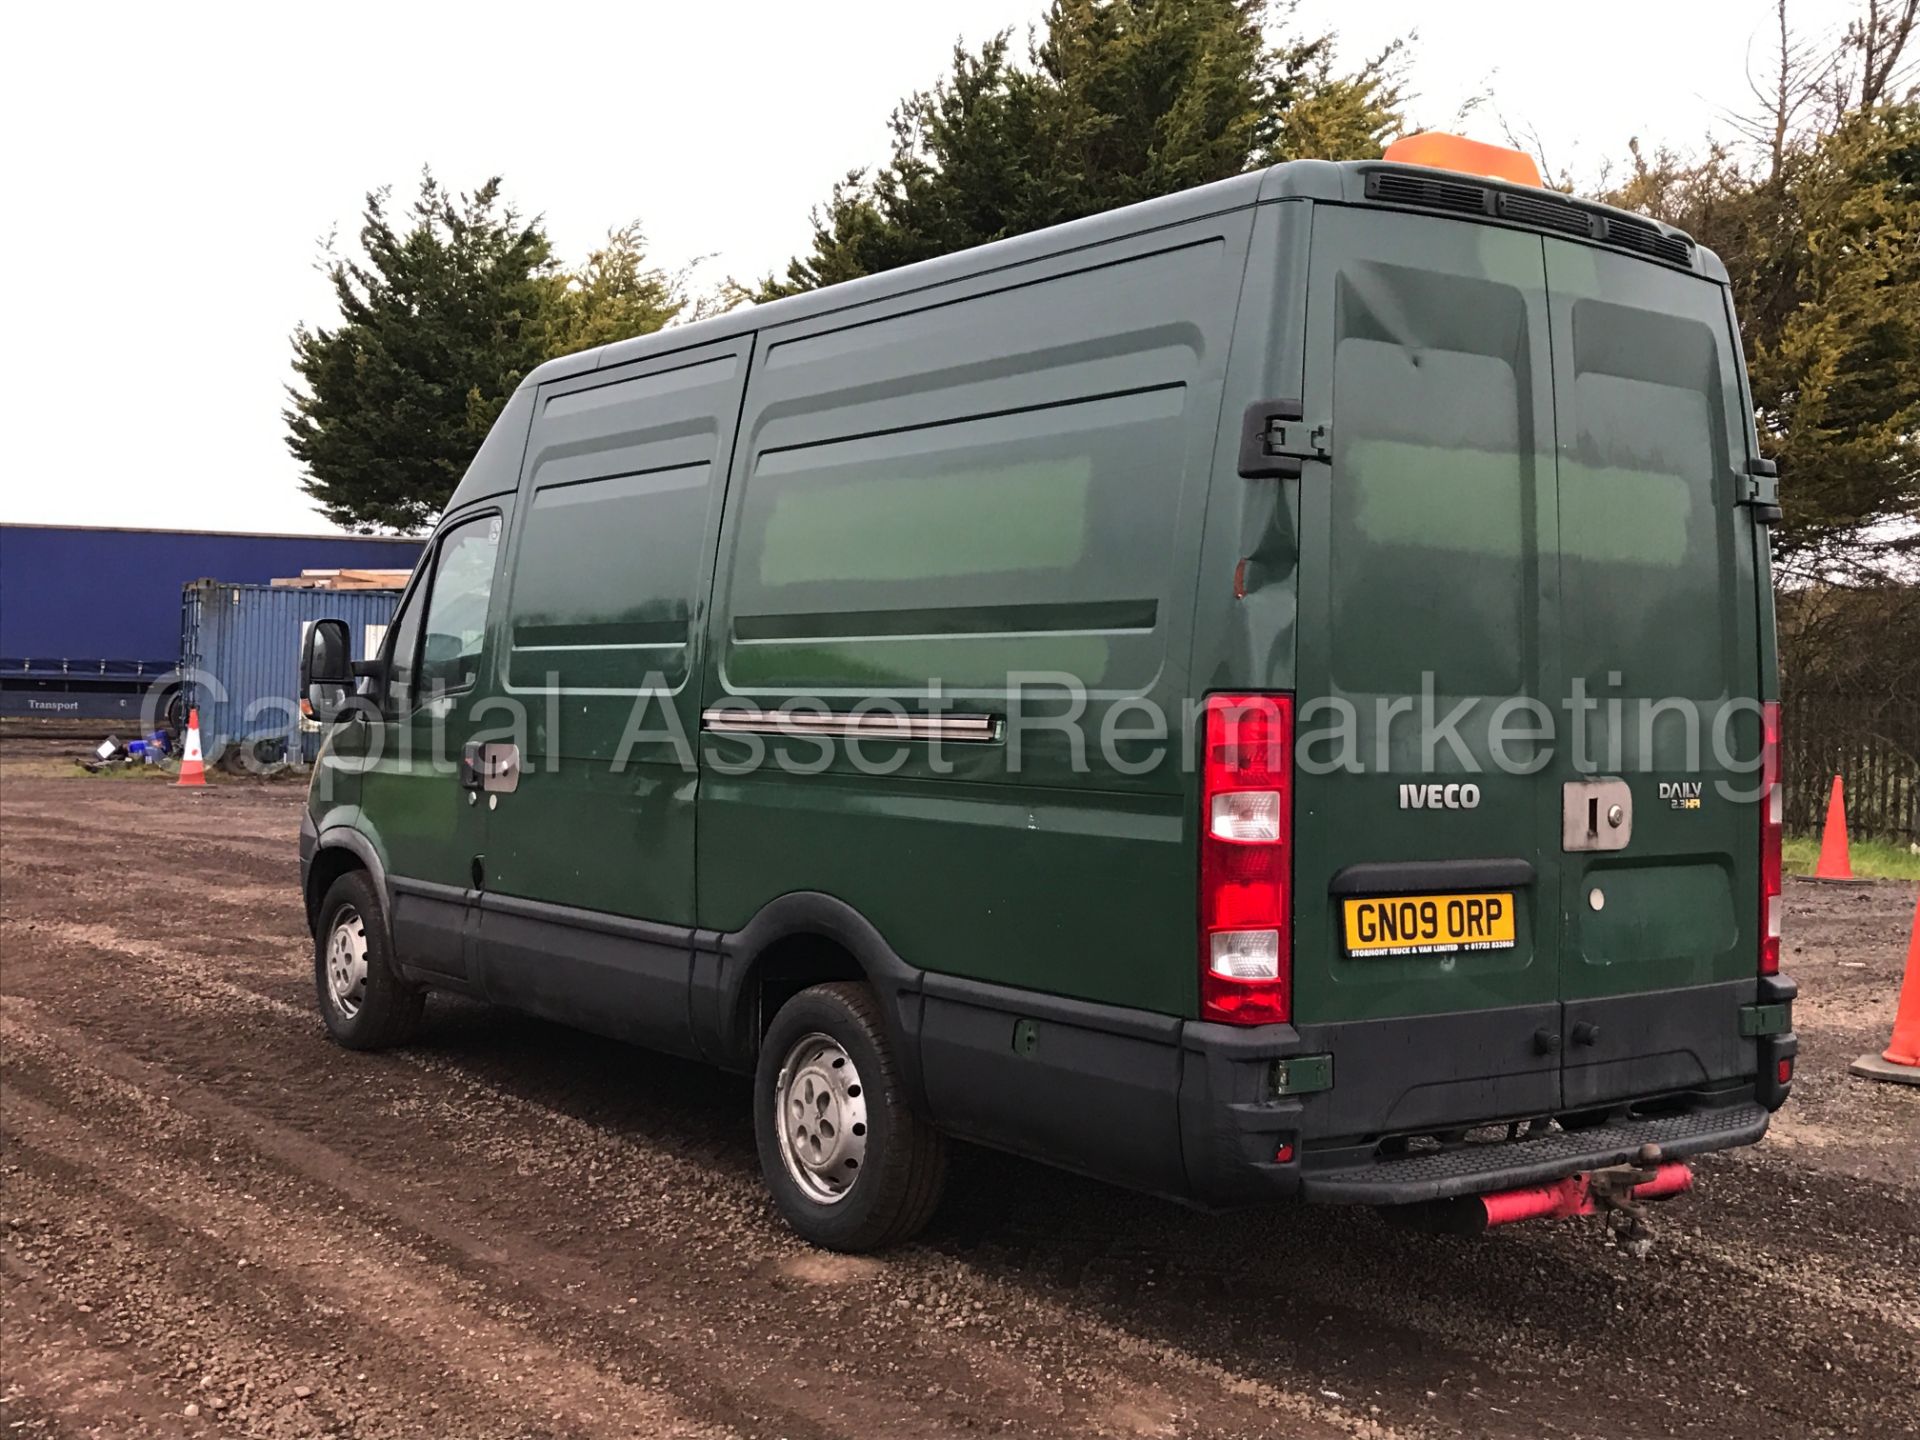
1596,815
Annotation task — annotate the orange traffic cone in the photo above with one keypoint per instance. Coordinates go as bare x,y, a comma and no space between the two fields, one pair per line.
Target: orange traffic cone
193,770
1900,1061
1835,863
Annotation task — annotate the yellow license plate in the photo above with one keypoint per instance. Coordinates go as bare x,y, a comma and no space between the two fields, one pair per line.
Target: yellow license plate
1429,924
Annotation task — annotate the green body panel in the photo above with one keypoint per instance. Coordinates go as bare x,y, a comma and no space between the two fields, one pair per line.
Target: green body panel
411,802
1658,600
1245,633
599,637
1009,477
1428,548
412,808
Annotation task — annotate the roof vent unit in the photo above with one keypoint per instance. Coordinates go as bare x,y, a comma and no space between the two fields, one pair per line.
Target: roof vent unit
1647,239
1430,192
1546,212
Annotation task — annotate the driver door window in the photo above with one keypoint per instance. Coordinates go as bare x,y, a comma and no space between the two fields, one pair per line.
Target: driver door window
456,625
451,598
403,638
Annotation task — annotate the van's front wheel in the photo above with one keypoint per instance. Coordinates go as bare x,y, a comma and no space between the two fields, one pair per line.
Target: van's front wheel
849,1164
367,1006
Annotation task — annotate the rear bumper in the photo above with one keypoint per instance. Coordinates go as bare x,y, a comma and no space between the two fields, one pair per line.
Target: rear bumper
1369,1112
1393,1127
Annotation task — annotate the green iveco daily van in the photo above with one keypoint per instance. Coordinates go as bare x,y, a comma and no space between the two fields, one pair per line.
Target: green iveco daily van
1264,694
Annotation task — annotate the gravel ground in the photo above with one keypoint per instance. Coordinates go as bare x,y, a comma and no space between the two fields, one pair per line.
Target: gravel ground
215,1222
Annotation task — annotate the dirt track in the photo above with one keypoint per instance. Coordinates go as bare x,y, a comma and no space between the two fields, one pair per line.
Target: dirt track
215,1222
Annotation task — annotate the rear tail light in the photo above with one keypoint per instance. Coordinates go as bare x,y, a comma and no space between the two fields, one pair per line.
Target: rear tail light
1246,779
1246,815
1771,816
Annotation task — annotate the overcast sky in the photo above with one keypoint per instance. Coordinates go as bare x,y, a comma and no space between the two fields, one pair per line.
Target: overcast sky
172,169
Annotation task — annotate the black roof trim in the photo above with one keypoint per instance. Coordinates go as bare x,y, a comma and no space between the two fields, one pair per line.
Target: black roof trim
1421,188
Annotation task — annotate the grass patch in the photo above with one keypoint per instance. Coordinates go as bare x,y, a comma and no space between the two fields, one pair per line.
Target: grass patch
1874,859
125,772
60,767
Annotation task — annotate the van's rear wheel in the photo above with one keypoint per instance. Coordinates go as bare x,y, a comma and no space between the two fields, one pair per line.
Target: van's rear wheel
366,1005
849,1164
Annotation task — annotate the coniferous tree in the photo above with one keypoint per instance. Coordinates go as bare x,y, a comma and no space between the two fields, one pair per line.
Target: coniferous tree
1118,101
439,320
442,314
614,295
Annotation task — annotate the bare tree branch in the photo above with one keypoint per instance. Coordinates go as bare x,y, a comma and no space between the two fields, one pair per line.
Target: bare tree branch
1881,38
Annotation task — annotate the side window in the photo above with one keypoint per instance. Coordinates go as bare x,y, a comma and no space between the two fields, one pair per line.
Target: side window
404,633
609,560
934,492
456,623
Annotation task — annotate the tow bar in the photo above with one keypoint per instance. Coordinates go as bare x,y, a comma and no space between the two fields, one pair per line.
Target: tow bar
1620,1192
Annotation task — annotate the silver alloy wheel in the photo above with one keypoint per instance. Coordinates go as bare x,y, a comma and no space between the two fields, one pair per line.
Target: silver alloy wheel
347,961
822,1118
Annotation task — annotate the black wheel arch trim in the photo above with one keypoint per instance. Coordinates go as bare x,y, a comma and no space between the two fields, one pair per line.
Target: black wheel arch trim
724,1019
343,837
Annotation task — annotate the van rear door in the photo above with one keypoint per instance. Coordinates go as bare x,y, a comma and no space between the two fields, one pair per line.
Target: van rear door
1528,498
1428,582
1659,626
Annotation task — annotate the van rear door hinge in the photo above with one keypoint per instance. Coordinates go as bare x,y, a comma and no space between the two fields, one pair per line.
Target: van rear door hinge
1760,489
1275,437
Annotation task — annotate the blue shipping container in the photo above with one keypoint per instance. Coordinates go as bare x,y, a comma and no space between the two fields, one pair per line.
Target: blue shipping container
241,654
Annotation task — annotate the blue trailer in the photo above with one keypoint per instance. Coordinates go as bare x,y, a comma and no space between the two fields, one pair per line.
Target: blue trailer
90,617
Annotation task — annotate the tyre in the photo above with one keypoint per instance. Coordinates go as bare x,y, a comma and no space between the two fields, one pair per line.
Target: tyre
849,1164
165,709
367,1006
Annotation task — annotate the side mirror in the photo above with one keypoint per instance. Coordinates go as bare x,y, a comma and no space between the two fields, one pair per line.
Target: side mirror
326,670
